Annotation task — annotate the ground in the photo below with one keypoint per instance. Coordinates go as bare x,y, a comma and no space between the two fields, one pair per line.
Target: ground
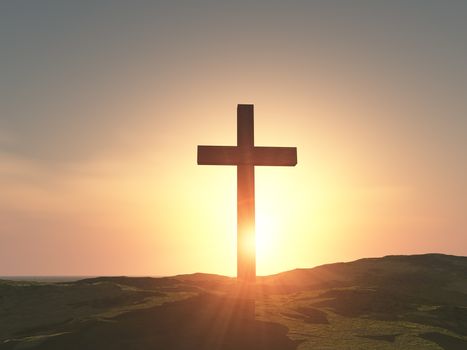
395,302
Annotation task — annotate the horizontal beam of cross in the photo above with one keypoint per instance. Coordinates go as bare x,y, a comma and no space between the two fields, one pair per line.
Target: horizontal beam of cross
234,155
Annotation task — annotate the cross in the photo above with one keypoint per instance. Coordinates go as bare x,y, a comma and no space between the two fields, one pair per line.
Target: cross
245,156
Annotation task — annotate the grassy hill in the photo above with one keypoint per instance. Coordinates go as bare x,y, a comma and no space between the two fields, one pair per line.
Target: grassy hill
395,302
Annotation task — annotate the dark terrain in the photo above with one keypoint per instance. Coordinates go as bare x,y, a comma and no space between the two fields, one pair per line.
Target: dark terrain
395,302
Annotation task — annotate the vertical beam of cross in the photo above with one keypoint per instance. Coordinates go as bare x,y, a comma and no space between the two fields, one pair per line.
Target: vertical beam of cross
246,247
246,156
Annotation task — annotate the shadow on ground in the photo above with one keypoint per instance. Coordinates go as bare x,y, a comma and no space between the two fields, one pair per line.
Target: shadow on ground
202,322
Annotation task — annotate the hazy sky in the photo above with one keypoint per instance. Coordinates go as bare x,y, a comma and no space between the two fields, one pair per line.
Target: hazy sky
102,105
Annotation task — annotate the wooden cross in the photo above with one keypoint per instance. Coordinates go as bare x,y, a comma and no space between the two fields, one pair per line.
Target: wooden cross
245,156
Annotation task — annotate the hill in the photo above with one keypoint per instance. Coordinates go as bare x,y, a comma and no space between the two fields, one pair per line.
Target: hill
394,302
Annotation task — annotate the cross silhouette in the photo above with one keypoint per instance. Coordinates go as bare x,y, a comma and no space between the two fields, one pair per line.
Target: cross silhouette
245,156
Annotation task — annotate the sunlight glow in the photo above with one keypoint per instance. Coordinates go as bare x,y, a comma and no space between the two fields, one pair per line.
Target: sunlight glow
248,243
267,242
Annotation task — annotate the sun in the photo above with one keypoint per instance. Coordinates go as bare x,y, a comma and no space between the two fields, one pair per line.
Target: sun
267,241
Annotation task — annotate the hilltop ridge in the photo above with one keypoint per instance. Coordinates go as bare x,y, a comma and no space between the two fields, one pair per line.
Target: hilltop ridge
393,302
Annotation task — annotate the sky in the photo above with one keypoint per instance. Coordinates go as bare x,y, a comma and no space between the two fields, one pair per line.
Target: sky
102,105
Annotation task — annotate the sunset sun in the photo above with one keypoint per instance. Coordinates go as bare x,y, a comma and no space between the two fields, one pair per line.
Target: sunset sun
267,241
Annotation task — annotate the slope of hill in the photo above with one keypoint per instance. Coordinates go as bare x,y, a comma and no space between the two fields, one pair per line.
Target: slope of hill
395,302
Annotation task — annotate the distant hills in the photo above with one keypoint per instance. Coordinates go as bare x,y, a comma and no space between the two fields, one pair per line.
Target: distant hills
394,302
